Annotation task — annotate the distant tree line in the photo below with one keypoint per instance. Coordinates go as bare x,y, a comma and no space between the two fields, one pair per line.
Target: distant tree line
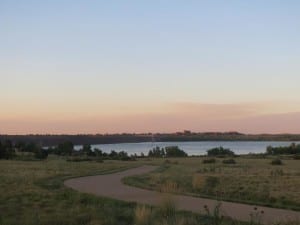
81,139
67,149
293,149
8,150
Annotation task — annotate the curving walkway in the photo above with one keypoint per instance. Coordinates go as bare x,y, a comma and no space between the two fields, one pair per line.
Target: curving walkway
110,185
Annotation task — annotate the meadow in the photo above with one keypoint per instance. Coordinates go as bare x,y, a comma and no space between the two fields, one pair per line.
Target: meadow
251,180
32,192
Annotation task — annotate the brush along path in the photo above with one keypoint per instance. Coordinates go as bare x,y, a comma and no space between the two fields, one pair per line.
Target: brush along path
111,185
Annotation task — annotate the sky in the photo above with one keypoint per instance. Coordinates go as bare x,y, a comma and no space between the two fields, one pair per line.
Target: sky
149,66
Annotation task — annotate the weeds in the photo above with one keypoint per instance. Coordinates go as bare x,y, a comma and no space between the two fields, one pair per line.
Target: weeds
215,214
256,216
168,211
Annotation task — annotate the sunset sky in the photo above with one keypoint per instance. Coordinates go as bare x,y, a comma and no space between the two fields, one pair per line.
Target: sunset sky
149,66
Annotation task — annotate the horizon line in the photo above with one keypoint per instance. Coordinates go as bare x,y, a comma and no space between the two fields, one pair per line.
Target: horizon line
147,133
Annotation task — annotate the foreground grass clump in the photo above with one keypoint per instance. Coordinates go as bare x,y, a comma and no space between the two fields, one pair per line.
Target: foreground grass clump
250,180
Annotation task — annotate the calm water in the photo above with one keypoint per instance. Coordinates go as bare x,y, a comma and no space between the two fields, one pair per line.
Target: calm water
192,148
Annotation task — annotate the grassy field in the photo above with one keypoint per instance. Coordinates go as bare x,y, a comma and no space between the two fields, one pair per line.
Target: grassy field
32,192
249,180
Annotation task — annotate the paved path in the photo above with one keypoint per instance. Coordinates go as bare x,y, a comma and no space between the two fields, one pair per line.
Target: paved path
110,185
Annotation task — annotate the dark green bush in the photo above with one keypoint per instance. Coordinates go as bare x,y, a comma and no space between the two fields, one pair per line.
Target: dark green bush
276,162
220,152
175,151
41,154
296,157
79,159
7,150
229,161
209,160
284,150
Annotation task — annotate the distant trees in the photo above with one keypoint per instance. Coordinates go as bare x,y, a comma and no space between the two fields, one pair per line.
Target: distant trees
175,151
157,152
87,150
41,153
98,152
293,149
220,151
65,148
7,150
169,151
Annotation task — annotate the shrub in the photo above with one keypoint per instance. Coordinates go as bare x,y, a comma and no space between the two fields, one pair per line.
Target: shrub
276,162
209,160
79,159
7,150
220,152
229,161
175,151
296,157
167,161
41,154
284,150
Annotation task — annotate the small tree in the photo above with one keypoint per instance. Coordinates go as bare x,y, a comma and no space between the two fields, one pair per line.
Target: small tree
98,152
6,150
65,148
157,152
41,153
87,150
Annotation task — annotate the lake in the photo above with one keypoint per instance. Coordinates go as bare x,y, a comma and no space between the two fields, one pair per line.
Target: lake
192,148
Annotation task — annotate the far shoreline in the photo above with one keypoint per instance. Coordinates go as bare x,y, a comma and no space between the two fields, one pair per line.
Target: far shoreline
185,136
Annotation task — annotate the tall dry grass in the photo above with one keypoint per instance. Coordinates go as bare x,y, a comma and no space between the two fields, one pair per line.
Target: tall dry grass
198,182
170,187
142,215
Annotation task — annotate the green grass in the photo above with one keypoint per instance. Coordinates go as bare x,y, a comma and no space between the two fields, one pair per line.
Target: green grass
250,180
